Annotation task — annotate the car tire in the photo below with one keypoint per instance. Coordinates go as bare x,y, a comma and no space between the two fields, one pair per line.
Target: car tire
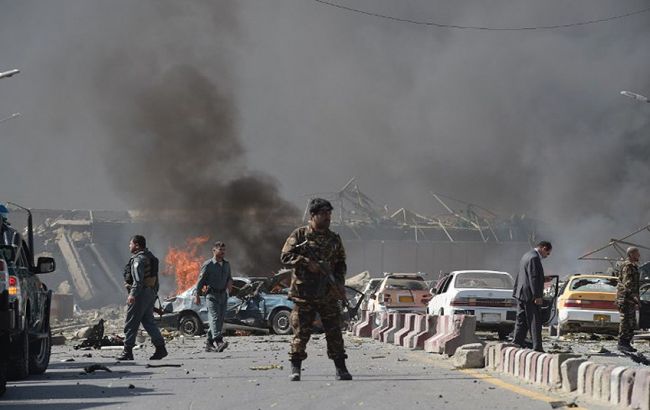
39,353
19,357
189,324
281,322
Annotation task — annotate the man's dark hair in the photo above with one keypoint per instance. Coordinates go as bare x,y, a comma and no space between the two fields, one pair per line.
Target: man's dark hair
218,244
545,244
317,205
139,240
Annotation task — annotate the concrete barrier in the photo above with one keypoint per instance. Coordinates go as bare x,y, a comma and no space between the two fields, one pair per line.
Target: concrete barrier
421,325
615,385
407,327
398,323
384,324
602,382
641,390
452,332
627,384
569,373
364,328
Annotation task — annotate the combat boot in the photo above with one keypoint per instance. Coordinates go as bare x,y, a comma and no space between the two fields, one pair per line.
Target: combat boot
221,346
626,347
209,346
159,353
127,354
342,372
295,370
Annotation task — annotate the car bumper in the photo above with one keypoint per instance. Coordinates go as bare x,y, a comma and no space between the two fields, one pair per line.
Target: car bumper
588,319
490,318
7,314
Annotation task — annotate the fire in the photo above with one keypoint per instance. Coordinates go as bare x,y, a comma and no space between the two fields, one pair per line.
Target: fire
185,263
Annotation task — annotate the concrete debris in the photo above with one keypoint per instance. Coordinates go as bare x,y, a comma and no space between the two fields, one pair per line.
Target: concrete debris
469,356
69,359
562,404
94,367
267,367
58,340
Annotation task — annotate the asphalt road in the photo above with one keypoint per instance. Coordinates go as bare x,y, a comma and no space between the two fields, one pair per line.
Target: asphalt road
247,376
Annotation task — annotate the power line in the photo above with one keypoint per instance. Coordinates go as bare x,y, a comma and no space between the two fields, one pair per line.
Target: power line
485,28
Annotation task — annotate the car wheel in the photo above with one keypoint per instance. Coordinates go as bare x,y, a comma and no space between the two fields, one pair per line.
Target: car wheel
19,356
39,354
281,323
190,325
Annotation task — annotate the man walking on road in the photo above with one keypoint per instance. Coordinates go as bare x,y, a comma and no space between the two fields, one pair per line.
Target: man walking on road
215,274
311,292
141,277
528,291
627,299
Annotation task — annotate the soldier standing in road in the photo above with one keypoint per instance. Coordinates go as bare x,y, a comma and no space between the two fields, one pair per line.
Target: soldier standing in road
627,298
215,274
141,277
307,291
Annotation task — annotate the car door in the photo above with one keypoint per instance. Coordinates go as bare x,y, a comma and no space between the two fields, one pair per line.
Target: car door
438,300
549,299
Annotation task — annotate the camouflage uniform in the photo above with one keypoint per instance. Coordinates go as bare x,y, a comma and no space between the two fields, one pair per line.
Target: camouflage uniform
312,294
627,293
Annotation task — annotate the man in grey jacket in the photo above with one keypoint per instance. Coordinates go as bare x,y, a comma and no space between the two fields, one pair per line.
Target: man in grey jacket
216,277
528,292
141,279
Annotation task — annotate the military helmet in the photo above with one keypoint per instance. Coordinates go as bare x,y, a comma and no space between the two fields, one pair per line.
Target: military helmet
317,205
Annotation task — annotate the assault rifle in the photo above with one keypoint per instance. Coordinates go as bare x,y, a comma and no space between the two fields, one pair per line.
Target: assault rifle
305,250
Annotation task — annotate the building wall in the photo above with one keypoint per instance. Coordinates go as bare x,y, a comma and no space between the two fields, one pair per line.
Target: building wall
379,256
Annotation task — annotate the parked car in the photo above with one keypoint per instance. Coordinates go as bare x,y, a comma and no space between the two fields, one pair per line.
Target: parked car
399,292
588,302
255,302
25,336
488,296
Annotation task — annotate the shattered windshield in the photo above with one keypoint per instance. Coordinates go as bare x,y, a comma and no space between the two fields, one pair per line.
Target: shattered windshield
594,284
405,284
483,280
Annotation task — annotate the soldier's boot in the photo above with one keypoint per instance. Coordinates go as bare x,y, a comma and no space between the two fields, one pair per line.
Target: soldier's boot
160,352
209,346
342,372
221,346
295,370
127,354
626,347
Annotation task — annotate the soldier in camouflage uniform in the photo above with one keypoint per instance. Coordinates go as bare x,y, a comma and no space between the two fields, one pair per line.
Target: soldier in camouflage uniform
627,298
311,292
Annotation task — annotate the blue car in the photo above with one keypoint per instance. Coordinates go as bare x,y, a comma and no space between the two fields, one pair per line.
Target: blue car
259,304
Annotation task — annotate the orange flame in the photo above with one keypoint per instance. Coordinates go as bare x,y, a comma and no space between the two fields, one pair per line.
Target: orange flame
185,263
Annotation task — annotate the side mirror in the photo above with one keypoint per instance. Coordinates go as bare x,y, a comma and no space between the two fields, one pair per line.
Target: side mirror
45,265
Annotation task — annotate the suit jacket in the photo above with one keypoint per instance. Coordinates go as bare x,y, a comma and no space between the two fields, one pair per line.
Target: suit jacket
529,283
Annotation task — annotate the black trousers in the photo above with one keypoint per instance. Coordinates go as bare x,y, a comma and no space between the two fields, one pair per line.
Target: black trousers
529,317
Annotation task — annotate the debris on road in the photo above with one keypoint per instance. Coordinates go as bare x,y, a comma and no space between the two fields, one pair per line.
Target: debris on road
94,367
149,365
267,367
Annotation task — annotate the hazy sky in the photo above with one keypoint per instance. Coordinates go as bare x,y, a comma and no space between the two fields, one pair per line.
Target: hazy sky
517,121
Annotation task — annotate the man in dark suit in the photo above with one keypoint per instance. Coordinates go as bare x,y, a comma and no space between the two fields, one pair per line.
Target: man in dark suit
528,292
